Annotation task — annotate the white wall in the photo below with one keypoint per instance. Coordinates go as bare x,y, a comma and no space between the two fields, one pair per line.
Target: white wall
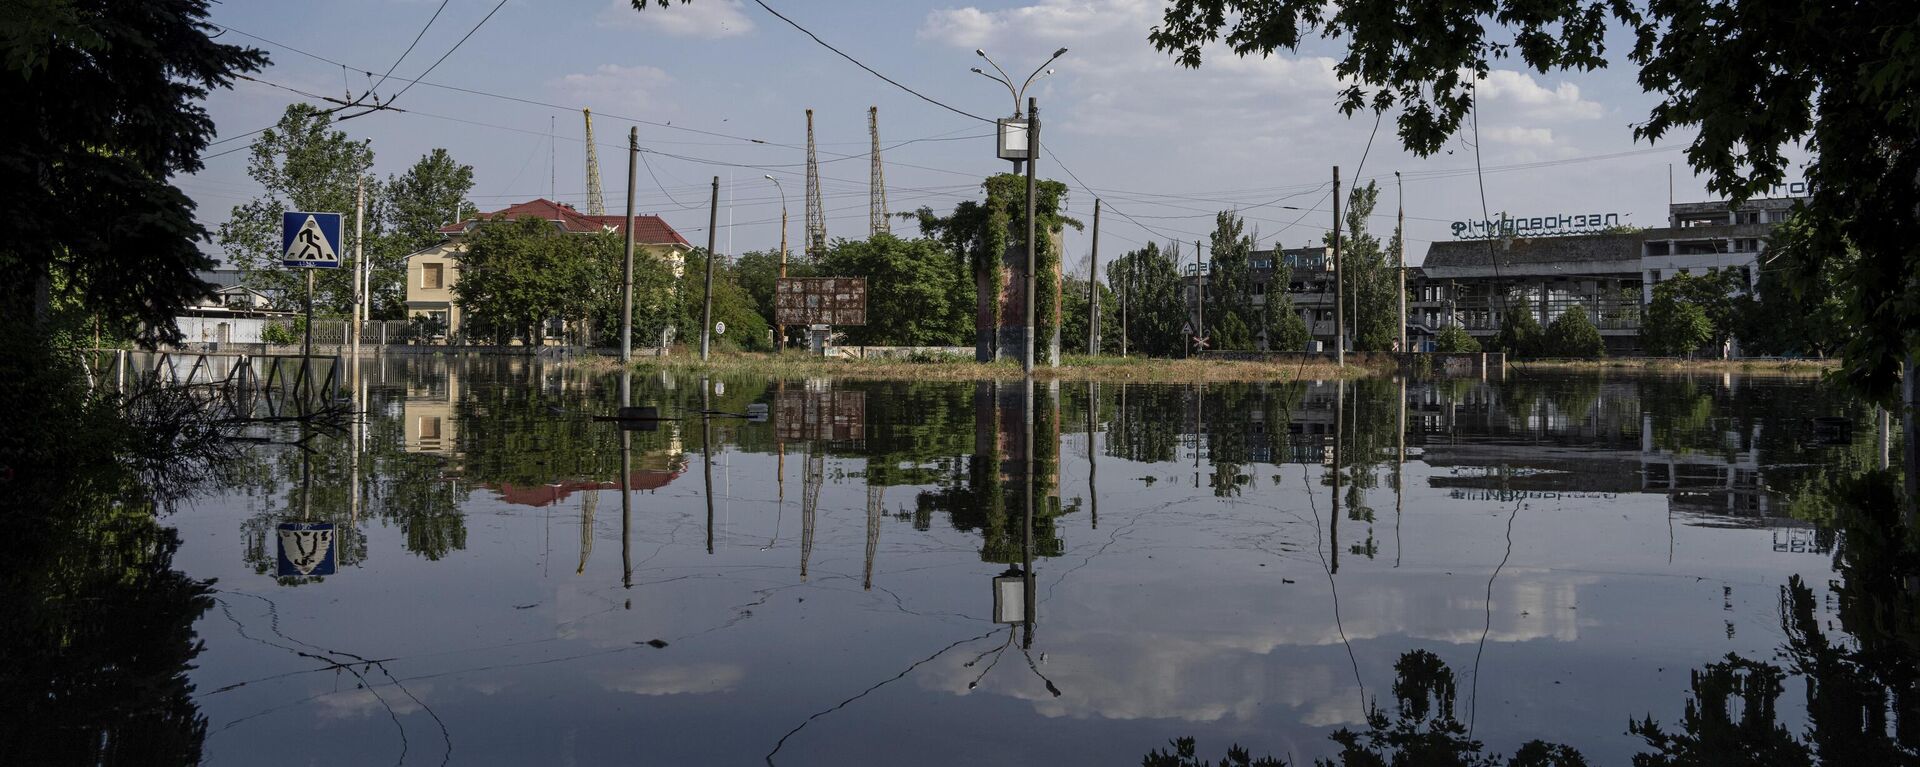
206,330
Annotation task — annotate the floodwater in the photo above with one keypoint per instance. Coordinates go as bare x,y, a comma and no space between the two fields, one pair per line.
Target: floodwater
936,573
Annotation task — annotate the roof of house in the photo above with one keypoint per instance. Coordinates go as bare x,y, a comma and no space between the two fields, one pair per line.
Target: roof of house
648,230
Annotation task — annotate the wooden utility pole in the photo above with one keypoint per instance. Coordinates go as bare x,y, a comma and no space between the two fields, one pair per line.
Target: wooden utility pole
1033,158
359,267
1339,284
1200,293
1093,287
626,269
706,304
1126,291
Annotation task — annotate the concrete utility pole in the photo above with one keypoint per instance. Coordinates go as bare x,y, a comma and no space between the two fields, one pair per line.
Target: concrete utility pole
1126,292
626,270
1339,284
1400,236
1033,158
359,266
1093,287
1200,292
706,304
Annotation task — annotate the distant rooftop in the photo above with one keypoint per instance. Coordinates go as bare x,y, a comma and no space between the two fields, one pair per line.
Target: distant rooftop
647,230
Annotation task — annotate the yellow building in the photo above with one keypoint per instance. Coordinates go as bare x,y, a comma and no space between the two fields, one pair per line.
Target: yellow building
432,272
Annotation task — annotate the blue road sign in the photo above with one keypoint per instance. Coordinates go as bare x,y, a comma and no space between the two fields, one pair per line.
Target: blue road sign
310,240
306,549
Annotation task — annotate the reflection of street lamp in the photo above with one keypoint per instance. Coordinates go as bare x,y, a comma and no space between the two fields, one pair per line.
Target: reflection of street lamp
780,331
1010,597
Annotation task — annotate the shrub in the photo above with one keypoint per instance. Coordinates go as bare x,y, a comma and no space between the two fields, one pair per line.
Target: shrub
1454,339
1573,335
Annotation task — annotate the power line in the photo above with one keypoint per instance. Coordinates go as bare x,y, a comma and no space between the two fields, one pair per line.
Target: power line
443,57
410,46
870,70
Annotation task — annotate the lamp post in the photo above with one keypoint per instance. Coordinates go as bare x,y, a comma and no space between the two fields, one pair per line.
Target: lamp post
1018,141
780,331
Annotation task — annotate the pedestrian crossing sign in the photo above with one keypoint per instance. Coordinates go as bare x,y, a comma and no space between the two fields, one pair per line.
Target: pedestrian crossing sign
310,240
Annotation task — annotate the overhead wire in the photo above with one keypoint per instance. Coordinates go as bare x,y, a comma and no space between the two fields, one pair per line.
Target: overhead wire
410,46
870,70
443,56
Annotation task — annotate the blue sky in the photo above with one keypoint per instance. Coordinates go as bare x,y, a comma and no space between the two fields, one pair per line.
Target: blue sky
1165,145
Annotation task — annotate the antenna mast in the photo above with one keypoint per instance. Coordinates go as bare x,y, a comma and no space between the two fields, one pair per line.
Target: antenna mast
816,212
596,202
877,197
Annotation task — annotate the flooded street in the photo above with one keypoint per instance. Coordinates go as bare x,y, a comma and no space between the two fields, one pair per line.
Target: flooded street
836,572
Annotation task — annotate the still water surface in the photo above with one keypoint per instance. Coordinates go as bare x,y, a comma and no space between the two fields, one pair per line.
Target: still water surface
852,579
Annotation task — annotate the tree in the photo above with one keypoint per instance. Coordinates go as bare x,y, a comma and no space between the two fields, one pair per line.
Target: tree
517,275
1230,283
411,209
1286,331
109,97
1372,285
1520,335
1674,328
917,294
1156,316
746,329
1842,82
1454,339
985,231
1796,316
1573,335
303,164
1073,324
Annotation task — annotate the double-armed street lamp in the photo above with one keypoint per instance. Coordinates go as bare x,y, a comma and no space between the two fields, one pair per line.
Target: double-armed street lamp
1018,140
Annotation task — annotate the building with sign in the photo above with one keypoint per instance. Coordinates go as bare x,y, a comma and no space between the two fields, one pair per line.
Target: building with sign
432,272
1477,283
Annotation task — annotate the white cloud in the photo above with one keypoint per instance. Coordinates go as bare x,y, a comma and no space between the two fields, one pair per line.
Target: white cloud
708,19
1059,21
1518,136
680,680
615,88
1562,102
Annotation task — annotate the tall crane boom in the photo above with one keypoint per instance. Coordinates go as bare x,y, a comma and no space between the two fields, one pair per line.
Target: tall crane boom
877,196
816,212
596,202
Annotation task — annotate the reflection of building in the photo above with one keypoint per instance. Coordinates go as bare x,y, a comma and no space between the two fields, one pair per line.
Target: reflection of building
657,470
427,413
432,272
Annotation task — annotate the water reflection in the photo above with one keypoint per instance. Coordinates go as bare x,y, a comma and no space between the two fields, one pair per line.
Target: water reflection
1123,563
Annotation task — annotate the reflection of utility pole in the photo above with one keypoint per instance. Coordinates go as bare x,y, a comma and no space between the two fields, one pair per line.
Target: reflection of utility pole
810,478
876,502
626,437
1093,488
588,500
1399,465
1026,526
706,449
1339,430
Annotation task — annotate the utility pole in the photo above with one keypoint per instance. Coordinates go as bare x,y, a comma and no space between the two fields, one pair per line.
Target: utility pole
1033,158
1093,287
626,270
1200,290
1400,236
1126,291
359,268
779,330
706,304
1339,284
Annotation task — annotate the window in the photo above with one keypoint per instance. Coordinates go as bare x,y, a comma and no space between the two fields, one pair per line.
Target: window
1748,217
1653,276
433,276
429,428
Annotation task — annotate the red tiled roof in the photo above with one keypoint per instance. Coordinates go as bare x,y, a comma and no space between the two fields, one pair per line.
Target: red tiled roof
545,495
647,230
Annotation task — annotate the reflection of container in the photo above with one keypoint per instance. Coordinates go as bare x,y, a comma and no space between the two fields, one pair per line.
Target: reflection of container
306,549
1010,597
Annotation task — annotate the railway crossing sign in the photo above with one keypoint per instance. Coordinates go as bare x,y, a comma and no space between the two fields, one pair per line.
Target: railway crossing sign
1200,342
310,240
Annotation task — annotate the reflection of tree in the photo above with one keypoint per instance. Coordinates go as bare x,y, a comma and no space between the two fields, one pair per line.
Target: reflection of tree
1863,695
984,493
1421,732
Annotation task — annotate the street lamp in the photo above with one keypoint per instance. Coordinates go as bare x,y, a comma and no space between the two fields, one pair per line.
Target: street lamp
780,331
1013,131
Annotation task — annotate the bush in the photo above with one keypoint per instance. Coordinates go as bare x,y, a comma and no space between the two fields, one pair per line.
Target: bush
1573,335
1520,334
279,334
1453,339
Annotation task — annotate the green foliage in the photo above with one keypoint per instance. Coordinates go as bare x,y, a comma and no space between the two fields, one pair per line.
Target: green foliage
108,98
1230,283
985,231
1232,333
277,333
746,328
1681,318
1156,316
917,292
1073,323
1454,339
1573,335
516,275
1373,285
1286,332
1520,335
1796,317
1184,755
